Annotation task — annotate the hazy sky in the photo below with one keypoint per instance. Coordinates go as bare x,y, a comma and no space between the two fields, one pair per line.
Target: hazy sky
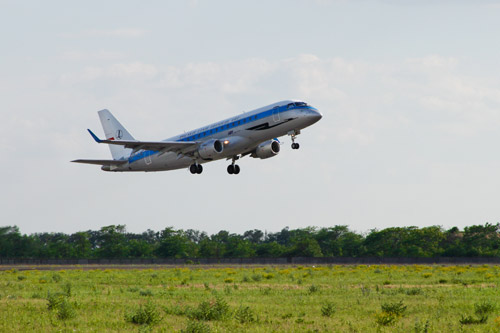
409,91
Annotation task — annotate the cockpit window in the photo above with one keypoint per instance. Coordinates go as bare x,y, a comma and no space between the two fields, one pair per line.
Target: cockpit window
300,104
291,105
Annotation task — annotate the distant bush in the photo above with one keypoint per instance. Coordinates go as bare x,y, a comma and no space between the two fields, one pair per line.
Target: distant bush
216,309
144,315
397,309
244,315
313,289
484,308
257,277
146,292
56,277
194,326
471,320
328,310
59,302
385,319
65,310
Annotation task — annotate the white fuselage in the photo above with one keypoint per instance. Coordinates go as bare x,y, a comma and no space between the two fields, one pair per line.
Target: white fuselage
240,135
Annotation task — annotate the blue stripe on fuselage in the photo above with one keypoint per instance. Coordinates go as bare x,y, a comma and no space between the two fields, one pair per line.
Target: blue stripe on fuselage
207,133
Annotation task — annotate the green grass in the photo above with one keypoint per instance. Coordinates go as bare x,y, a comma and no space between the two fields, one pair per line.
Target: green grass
253,299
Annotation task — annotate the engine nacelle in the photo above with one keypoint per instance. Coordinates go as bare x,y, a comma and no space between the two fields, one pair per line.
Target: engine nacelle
210,149
267,149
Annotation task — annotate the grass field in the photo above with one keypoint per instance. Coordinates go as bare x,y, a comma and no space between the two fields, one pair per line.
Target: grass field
253,299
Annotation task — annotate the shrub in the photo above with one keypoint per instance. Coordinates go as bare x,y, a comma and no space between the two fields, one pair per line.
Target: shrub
244,315
385,319
413,291
54,300
59,302
21,277
397,309
313,289
56,277
327,310
67,289
211,310
146,292
484,308
471,320
228,280
196,327
65,310
144,315
421,327
257,277
245,279
266,291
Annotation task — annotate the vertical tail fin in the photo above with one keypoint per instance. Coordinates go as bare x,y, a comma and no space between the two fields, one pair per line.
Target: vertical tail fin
115,131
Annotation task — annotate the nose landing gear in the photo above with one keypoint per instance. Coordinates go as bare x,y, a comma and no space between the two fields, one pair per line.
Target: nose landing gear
293,134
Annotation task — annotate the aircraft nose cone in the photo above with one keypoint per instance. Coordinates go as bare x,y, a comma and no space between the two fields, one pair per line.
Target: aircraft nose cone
315,115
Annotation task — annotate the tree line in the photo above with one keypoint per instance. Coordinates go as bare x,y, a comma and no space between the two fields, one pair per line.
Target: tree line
114,241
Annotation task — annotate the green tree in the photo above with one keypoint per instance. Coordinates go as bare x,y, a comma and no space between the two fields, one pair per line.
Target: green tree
112,243
173,244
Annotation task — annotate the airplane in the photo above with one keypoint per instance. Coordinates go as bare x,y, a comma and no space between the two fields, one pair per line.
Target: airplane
252,133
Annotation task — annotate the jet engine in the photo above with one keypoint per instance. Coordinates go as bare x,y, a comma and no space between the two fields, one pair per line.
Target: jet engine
267,149
210,149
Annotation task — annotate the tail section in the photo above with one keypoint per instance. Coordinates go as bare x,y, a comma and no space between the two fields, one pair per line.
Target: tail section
115,131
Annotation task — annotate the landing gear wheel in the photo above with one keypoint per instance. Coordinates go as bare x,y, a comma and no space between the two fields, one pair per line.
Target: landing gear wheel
193,168
199,169
230,169
236,169
294,134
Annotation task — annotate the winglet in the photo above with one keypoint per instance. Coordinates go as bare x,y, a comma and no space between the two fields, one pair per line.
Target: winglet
94,136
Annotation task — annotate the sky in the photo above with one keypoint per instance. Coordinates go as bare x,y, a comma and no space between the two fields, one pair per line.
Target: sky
409,92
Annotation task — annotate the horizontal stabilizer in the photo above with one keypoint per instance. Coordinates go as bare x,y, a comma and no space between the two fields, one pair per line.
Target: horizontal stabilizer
101,162
163,146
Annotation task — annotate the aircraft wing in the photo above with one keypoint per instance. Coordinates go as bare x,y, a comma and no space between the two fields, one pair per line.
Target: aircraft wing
161,146
101,162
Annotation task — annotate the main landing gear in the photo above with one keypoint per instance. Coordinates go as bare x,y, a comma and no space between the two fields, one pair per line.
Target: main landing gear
196,168
293,134
233,168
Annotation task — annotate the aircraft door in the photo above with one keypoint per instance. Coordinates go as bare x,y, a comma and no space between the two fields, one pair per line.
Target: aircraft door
147,159
276,115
